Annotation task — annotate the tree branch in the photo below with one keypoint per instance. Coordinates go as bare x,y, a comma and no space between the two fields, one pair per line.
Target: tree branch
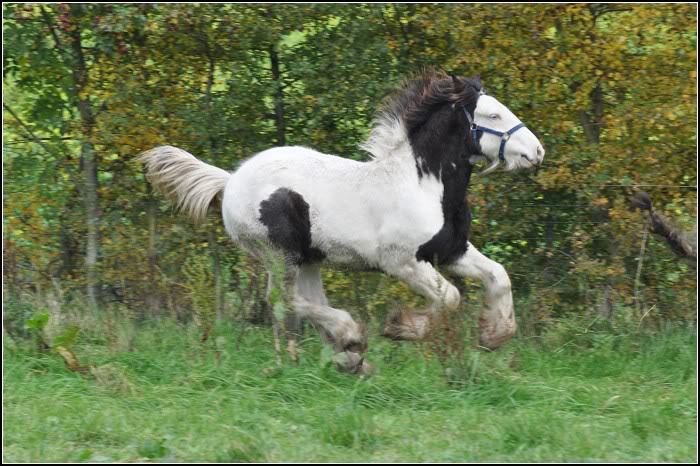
26,128
47,20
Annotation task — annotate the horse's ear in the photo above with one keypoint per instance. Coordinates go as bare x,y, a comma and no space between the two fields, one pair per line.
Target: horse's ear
458,84
477,79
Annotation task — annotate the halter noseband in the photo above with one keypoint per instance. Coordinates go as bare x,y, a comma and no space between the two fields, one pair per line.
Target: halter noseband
474,128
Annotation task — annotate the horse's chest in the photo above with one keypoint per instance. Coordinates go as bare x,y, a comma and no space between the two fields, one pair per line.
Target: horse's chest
449,243
410,215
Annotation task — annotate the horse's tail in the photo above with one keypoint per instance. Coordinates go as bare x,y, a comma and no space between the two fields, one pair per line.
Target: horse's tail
190,183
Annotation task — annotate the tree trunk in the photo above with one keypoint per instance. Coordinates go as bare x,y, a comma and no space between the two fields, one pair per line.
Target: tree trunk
216,260
213,244
88,161
90,199
592,123
153,294
279,97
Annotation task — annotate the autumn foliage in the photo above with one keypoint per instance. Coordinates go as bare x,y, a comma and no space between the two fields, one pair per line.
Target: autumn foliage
610,89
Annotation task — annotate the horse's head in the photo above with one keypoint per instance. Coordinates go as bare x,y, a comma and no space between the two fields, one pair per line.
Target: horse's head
495,133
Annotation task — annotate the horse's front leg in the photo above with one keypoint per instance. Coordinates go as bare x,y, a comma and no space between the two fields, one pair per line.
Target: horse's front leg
497,320
425,280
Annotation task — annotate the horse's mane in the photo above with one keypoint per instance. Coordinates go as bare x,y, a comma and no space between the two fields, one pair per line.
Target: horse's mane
410,106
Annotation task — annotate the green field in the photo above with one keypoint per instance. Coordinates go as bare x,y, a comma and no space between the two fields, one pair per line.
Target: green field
572,395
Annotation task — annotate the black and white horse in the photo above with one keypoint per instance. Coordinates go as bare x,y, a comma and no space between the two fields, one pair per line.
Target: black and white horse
403,212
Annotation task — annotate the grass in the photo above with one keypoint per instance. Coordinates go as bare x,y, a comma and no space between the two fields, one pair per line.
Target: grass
567,397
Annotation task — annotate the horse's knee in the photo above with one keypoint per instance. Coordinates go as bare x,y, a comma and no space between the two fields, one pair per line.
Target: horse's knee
451,298
498,279
353,363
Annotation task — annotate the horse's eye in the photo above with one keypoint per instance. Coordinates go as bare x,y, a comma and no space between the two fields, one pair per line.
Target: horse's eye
494,116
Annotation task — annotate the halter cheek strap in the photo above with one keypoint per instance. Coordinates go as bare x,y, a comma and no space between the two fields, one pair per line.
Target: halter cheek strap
504,136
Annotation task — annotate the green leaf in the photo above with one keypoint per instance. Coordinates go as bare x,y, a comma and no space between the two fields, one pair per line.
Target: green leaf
38,321
67,338
275,294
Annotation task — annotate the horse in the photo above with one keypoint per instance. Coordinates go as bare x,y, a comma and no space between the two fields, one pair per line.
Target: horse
402,212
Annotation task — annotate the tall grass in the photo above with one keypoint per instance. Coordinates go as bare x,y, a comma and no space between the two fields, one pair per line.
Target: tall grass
577,393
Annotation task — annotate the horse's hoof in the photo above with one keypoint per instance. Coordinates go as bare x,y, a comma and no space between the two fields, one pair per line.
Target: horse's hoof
492,338
352,363
367,369
406,325
490,343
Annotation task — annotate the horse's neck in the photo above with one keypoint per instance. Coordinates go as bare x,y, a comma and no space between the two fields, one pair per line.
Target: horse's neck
399,162
401,165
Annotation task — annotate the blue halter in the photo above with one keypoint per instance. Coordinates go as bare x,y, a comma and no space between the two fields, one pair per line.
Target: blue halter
504,136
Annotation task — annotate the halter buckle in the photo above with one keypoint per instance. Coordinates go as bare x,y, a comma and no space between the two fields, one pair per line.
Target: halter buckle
506,136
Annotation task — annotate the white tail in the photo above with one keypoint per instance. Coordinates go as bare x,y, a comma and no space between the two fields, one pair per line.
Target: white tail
190,183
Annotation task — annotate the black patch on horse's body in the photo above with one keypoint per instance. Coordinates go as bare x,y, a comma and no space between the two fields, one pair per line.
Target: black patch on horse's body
450,243
439,136
286,215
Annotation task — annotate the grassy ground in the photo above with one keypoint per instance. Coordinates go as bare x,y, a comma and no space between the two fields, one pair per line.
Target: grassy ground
575,395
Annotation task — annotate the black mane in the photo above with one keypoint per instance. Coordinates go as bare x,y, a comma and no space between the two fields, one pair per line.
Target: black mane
410,107
418,98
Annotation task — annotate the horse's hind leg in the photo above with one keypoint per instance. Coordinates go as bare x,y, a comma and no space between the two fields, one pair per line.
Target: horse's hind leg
293,323
337,327
276,286
280,288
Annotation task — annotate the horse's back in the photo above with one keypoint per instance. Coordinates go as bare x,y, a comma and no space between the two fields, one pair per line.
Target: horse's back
275,195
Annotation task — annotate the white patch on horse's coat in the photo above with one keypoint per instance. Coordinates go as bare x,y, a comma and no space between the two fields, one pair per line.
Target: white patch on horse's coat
364,207
387,136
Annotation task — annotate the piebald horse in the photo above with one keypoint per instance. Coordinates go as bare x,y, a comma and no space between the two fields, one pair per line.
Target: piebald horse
402,212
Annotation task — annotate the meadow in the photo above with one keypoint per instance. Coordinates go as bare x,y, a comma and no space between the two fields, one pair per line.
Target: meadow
166,321
580,392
